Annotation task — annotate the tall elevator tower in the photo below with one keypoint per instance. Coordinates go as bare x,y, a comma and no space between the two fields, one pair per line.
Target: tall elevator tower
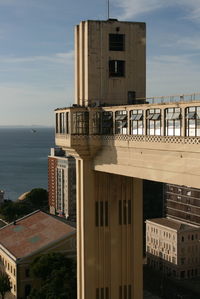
110,70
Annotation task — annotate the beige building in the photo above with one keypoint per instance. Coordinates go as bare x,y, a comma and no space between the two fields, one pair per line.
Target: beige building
173,247
31,236
110,69
110,62
118,139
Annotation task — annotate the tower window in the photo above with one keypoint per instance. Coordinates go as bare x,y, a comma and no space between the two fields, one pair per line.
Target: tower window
116,42
116,68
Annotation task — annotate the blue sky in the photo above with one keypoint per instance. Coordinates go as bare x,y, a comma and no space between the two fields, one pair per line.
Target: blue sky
36,51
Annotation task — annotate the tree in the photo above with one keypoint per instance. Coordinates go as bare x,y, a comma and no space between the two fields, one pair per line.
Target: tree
38,198
57,275
5,284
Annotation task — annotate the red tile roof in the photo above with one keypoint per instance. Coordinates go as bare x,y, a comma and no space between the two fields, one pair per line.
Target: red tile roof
32,233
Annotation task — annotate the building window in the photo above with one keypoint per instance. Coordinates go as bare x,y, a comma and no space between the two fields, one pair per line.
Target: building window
192,120
125,212
80,123
116,68
27,289
107,122
62,123
116,42
153,122
101,213
136,122
27,272
102,293
125,292
121,123
96,123
173,122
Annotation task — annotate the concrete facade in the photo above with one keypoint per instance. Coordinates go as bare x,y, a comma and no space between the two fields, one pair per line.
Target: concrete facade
119,139
182,203
93,55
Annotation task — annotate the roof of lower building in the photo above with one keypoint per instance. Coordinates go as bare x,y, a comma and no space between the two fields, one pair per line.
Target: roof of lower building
173,224
32,233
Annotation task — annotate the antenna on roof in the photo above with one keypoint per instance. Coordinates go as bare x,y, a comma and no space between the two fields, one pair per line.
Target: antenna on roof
108,9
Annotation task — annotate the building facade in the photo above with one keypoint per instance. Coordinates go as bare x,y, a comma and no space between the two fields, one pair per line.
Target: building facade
110,62
27,238
182,203
62,184
118,143
173,247
110,69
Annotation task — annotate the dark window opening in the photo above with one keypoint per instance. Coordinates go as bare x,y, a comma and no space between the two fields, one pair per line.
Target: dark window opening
116,68
101,213
125,212
116,42
107,123
27,290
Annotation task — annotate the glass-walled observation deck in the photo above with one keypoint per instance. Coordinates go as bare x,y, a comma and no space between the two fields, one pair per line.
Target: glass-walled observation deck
155,121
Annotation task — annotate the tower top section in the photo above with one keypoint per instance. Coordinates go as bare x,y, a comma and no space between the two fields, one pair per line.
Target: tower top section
110,62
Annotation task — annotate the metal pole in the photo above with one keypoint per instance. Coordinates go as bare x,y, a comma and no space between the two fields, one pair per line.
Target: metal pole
108,9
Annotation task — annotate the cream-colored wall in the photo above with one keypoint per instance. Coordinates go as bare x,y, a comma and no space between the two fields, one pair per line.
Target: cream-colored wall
179,251
10,268
92,60
108,256
160,239
157,161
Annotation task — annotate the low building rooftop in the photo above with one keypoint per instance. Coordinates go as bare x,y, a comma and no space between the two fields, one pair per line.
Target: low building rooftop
173,224
32,233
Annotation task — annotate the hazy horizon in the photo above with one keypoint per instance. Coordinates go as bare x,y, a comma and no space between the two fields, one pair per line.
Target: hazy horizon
37,51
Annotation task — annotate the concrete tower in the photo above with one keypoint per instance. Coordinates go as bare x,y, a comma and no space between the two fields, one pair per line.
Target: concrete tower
110,62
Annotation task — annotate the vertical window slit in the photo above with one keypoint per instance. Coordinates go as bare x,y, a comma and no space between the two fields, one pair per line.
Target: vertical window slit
107,293
120,212
129,211
129,292
101,213
102,293
125,292
120,292
106,213
125,211
97,213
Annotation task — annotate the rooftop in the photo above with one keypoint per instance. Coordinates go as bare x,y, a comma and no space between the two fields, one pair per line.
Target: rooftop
32,233
173,224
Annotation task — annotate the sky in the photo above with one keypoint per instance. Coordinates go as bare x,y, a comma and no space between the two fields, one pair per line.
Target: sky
37,51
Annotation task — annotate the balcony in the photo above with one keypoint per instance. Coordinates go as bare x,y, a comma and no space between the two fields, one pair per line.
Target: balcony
169,122
158,141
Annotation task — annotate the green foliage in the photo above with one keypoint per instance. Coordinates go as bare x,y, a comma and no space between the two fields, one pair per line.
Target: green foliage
58,277
38,198
35,199
5,285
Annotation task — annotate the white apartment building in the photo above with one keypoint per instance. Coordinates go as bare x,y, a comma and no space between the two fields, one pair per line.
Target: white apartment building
173,247
62,184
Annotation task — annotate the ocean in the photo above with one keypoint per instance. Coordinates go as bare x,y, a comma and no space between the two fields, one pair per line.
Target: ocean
24,159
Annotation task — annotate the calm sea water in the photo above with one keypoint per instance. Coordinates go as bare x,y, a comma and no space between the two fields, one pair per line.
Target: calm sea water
23,159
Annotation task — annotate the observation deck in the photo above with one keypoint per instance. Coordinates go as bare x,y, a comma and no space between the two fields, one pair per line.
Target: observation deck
158,140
